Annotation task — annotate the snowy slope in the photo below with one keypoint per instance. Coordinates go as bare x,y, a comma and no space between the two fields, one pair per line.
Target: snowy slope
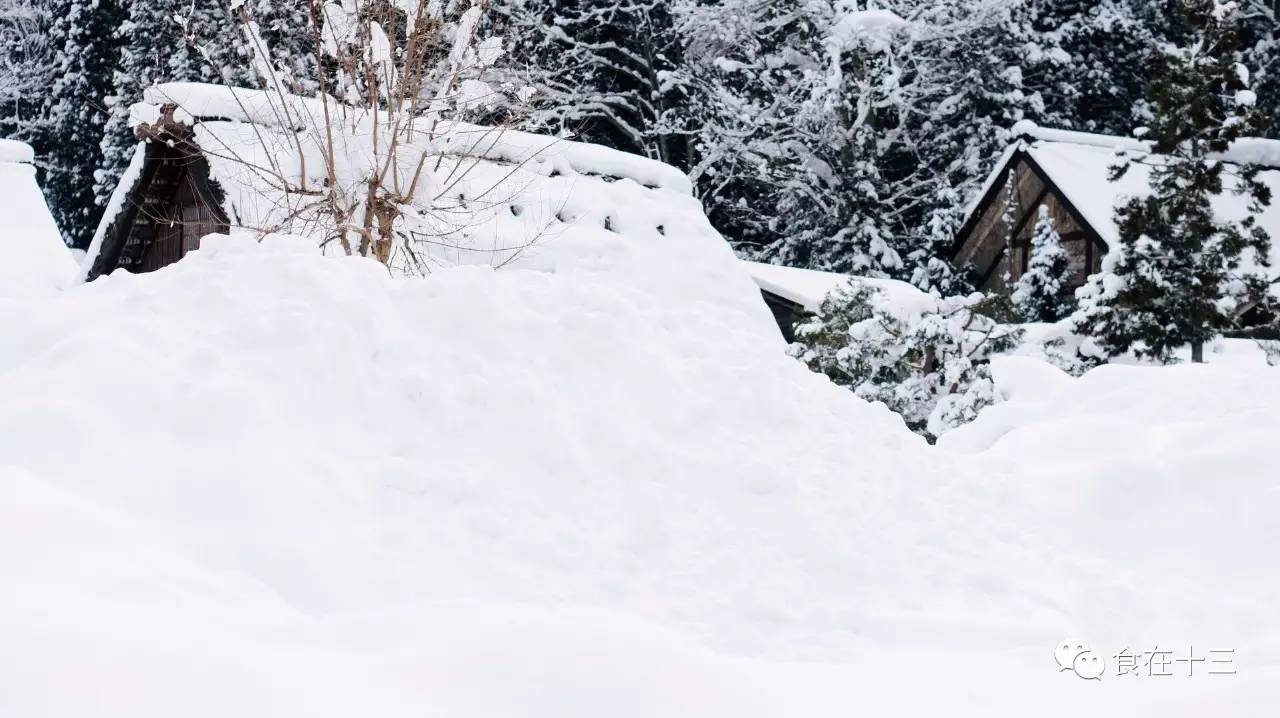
265,482
33,257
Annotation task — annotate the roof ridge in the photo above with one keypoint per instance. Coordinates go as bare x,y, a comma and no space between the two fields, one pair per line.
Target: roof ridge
1246,150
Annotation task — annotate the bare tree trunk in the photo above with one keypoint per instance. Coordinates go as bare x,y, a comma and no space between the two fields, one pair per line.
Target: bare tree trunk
1197,352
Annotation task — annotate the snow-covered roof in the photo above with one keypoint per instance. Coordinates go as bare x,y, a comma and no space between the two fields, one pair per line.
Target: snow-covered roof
33,257
1079,164
490,195
808,287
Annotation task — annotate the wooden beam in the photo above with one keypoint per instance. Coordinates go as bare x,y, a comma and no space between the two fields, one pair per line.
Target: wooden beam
963,236
1067,204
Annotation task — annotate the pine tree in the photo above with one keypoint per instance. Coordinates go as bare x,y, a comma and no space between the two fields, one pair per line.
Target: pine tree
1043,293
608,71
931,365
26,70
1009,219
847,139
1086,55
1261,42
802,108
86,51
1180,273
283,26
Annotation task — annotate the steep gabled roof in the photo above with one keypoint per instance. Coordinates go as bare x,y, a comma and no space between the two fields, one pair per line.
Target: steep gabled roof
1077,166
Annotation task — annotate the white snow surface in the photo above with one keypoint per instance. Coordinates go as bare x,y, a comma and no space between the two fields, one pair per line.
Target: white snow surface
261,481
33,257
809,287
874,28
199,103
15,151
1245,150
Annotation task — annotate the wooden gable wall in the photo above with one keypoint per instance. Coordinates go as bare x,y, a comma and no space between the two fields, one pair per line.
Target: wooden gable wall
170,207
983,249
786,313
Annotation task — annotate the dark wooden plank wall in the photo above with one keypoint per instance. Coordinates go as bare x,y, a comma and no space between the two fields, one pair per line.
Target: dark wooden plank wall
986,253
178,217
198,217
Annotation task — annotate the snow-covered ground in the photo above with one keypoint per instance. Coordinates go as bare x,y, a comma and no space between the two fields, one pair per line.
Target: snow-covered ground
33,258
263,482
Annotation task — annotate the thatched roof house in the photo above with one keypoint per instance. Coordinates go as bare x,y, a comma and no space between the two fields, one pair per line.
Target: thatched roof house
213,158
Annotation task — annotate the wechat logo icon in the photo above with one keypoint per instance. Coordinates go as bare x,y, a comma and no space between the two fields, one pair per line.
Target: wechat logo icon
1075,655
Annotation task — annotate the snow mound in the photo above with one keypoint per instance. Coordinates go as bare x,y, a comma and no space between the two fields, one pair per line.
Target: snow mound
1133,454
295,485
33,257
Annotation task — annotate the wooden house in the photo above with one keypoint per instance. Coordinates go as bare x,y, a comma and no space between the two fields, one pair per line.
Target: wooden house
1068,174
167,202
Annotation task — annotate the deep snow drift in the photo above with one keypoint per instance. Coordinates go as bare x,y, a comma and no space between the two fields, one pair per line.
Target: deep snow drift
33,258
264,482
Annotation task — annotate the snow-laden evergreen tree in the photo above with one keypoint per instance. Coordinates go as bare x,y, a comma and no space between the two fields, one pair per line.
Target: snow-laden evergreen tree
837,134
607,71
1043,293
932,366
1182,274
976,63
847,136
793,157
86,46
798,116
1260,23
1084,60
26,69
747,68
282,29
